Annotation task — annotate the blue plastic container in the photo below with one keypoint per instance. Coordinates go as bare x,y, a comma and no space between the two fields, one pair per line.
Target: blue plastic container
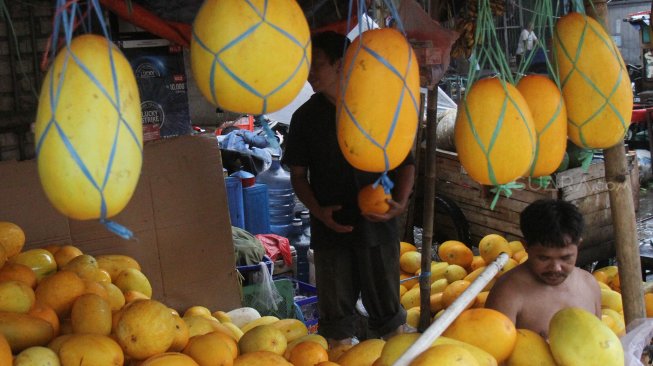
281,197
235,201
301,243
255,204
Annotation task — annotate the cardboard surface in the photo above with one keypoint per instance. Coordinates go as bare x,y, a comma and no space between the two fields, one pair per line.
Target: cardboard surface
178,214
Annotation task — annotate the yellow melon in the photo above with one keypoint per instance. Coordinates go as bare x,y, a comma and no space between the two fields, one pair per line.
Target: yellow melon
308,354
115,263
410,262
16,296
145,328
261,358
491,245
599,105
550,119
23,331
482,357
291,328
46,313
18,272
395,347
133,279
487,329
65,253
84,265
229,38
445,355
36,355
209,349
530,350
12,238
5,351
182,335
89,138
90,349
376,126
59,291
373,199
578,337
494,133
91,314
307,338
263,338
170,359
39,260
56,343
364,353
115,296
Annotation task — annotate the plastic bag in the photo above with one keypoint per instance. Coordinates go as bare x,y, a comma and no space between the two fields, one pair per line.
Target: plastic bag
636,339
267,298
275,246
431,41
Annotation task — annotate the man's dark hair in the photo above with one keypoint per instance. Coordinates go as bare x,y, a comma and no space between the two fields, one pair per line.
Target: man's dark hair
547,222
332,43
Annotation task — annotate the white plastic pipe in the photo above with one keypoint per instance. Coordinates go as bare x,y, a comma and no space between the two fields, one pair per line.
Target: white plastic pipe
451,313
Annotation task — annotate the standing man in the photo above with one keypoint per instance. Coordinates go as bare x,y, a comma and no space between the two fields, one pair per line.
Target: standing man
531,293
354,254
527,40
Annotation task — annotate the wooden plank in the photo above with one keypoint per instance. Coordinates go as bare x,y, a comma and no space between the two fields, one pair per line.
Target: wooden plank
592,202
491,222
504,215
575,176
598,218
584,189
598,235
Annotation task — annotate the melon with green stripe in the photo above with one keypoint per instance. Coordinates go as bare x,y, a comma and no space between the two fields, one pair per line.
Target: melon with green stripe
494,133
550,119
594,82
377,113
250,56
88,130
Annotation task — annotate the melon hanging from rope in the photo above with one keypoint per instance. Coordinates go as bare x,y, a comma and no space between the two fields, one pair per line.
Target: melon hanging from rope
250,56
494,133
377,112
594,82
88,130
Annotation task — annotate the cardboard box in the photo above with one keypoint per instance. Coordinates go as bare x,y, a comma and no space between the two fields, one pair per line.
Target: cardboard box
178,214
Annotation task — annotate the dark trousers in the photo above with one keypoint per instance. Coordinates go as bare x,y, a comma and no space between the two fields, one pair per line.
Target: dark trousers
342,273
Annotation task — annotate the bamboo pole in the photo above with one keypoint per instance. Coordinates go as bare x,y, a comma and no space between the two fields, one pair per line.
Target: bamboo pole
451,313
429,208
622,209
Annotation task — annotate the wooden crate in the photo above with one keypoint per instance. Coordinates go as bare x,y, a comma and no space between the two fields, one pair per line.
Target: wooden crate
587,190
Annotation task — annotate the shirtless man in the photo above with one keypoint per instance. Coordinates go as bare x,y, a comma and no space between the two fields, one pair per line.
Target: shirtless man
530,294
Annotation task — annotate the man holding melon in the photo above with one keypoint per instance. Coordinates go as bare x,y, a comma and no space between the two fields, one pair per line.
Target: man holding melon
354,253
530,294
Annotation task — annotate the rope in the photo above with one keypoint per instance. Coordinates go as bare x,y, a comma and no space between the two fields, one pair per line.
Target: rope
66,17
506,189
542,182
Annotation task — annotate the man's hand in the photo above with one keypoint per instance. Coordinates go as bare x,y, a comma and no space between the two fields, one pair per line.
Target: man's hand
325,214
395,210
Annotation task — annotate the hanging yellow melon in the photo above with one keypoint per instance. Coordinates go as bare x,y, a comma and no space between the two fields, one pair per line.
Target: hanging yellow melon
550,118
250,56
494,133
377,113
594,82
88,130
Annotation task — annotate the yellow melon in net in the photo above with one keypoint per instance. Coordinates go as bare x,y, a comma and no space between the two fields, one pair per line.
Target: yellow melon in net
594,80
494,133
377,112
89,136
550,119
250,56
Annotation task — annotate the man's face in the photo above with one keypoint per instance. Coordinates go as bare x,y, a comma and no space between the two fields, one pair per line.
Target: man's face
552,265
324,74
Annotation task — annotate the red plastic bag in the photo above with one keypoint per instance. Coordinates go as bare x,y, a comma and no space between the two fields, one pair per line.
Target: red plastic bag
276,245
431,42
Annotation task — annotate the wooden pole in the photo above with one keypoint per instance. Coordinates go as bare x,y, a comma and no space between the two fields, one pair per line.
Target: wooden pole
622,209
429,208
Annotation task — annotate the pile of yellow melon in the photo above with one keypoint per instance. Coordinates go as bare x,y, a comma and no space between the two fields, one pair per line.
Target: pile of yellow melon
458,268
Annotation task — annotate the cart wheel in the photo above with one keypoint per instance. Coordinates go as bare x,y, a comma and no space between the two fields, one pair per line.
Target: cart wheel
444,206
